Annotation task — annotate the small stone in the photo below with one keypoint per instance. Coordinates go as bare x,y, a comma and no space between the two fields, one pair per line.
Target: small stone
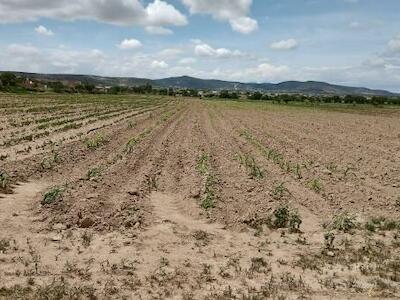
56,238
330,253
137,225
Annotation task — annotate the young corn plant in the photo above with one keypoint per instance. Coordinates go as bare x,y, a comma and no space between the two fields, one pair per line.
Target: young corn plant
96,142
53,195
280,191
202,164
250,163
93,173
4,179
315,184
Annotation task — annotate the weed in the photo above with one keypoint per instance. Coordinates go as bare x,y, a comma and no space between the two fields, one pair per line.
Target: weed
343,222
53,195
315,184
4,179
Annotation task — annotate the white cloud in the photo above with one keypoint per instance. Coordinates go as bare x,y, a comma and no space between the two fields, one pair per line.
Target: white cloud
129,44
244,25
156,64
234,11
159,30
161,13
43,31
208,51
289,44
187,61
267,72
394,44
22,50
170,53
117,12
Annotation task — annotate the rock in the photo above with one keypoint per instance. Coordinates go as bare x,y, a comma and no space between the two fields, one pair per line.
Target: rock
330,253
56,238
87,222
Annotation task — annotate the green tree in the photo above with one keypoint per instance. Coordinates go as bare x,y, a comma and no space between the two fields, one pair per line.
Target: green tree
8,79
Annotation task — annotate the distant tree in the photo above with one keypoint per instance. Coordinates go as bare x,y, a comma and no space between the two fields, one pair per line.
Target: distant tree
57,86
8,79
255,96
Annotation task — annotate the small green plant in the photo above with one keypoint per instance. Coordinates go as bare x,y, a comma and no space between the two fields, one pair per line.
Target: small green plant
131,124
297,171
202,164
343,222
250,163
347,170
315,184
283,217
49,162
209,195
4,179
96,142
130,145
381,223
93,173
332,167
53,195
280,191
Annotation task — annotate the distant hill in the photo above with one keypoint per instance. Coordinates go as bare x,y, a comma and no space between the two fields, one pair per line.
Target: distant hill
308,87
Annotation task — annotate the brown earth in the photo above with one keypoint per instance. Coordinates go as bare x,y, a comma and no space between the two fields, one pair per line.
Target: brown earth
186,203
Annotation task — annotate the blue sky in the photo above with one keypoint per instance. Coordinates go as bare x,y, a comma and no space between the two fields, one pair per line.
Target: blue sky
351,42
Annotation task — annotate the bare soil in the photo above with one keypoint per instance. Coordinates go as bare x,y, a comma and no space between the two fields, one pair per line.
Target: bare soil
199,199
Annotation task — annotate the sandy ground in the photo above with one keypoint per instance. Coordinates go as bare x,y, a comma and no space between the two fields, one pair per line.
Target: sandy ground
186,203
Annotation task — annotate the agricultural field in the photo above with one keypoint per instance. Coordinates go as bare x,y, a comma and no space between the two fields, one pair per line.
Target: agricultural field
151,197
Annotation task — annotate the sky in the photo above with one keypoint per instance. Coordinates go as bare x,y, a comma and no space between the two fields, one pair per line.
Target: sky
349,42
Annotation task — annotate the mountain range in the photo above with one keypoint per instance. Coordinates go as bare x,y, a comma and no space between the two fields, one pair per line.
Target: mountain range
308,87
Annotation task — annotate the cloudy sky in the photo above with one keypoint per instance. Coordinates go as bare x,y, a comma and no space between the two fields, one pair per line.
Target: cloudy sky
351,42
